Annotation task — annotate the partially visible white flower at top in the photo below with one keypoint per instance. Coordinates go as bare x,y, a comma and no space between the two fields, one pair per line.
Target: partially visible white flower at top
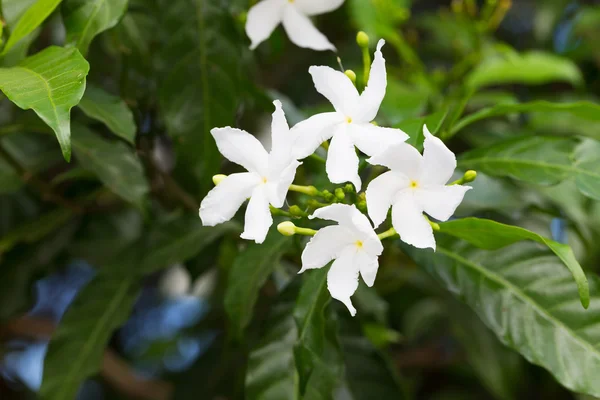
267,180
354,246
350,124
265,16
415,184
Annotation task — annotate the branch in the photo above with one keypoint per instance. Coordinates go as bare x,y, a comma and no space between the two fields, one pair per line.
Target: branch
114,369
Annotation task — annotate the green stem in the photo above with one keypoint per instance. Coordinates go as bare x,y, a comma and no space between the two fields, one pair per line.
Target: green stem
305,231
309,190
366,65
389,233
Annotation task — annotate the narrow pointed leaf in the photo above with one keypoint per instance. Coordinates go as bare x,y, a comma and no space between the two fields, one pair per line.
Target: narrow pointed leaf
492,235
51,83
532,68
83,334
115,164
248,274
110,110
84,19
33,17
538,160
525,296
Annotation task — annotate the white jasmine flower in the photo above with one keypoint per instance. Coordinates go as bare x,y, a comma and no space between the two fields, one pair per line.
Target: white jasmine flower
415,184
354,246
350,124
265,16
267,180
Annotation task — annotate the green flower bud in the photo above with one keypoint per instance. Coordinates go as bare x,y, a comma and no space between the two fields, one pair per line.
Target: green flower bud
362,39
218,178
350,74
469,176
297,211
339,194
287,228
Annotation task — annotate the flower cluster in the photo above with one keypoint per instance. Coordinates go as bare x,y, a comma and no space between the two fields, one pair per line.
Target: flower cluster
415,184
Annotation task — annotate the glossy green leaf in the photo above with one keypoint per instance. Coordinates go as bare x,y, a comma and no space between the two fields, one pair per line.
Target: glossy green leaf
414,127
248,274
532,68
114,163
110,110
587,158
309,315
83,333
499,368
84,19
538,160
51,83
29,21
271,374
180,240
582,109
525,296
492,235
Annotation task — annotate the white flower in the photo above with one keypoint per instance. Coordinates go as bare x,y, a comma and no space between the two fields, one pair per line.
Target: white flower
267,180
354,246
415,184
350,124
176,282
265,16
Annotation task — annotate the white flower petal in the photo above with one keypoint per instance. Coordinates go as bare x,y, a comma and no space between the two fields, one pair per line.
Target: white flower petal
368,266
316,7
337,88
277,189
342,161
366,234
310,133
262,20
326,245
222,202
372,96
439,162
381,193
258,216
340,213
441,201
302,32
410,223
242,148
401,158
282,143
373,140
342,278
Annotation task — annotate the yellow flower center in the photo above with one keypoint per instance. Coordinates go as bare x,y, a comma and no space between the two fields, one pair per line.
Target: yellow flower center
264,180
359,244
349,120
291,1
414,184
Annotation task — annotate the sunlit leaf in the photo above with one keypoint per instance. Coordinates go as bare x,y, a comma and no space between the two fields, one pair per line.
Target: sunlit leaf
29,21
51,83
110,110
532,68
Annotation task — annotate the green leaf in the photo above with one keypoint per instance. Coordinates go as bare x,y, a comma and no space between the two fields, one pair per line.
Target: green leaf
179,241
29,21
271,374
110,110
536,159
10,181
84,331
492,235
114,163
414,127
84,19
498,367
201,87
309,315
51,83
582,109
588,159
532,68
248,274
524,295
